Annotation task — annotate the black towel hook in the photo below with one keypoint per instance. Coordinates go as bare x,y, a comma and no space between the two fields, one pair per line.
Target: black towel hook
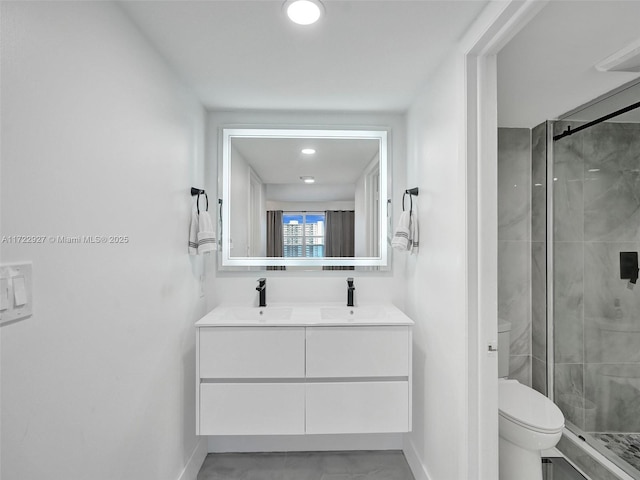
198,192
411,192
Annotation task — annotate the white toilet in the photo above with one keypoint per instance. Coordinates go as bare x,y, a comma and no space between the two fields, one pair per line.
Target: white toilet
528,421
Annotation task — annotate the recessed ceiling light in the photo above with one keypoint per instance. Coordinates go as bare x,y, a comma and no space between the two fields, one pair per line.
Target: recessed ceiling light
303,12
308,151
308,179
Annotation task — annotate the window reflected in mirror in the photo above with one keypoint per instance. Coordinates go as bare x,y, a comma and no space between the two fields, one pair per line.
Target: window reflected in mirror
302,234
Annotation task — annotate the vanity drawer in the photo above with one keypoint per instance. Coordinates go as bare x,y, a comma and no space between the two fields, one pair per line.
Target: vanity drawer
251,408
371,351
357,407
251,352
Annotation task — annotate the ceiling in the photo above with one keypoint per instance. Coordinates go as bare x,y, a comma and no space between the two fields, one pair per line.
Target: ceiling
361,56
549,67
317,194
629,95
376,55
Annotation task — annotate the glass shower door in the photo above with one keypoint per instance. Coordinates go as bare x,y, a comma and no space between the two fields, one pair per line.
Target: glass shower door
596,313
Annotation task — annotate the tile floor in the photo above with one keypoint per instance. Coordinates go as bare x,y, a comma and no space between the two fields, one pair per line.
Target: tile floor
370,465
624,445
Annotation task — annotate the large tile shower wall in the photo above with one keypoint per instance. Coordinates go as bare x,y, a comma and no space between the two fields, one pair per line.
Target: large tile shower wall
514,245
596,324
522,157
539,258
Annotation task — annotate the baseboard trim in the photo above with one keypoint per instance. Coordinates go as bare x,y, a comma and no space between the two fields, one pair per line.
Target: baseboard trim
196,460
304,443
551,453
418,469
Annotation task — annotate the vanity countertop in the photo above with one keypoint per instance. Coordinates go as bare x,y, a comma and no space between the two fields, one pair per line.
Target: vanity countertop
306,314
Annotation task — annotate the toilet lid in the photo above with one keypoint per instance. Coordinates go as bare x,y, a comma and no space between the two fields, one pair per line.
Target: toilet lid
528,408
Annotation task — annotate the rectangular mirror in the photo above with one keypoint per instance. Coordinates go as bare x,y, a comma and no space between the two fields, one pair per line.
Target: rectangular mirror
304,198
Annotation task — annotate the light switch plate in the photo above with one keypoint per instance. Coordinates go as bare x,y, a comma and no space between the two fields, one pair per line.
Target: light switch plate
4,293
19,291
18,280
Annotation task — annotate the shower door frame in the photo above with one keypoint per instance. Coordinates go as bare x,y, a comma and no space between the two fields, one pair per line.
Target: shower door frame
592,448
550,293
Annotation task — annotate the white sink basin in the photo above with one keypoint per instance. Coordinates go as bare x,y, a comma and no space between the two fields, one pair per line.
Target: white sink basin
292,315
352,313
263,314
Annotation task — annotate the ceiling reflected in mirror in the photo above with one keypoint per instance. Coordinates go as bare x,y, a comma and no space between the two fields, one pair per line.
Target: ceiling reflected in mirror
281,164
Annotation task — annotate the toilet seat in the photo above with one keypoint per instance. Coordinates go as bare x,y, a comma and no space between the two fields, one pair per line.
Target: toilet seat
528,408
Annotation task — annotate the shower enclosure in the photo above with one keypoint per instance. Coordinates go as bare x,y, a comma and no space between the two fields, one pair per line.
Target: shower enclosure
591,193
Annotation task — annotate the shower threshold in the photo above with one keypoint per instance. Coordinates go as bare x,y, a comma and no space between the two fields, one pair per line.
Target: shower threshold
558,468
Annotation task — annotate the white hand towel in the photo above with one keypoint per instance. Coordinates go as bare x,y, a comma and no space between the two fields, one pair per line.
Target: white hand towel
206,234
414,234
193,233
402,233
406,236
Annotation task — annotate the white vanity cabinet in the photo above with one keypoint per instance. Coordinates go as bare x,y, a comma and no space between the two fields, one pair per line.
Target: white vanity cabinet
251,352
303,376
249,380
357,379
357,351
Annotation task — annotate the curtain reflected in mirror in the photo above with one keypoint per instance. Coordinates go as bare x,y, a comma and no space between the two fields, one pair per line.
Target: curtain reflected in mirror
331,236
339,236
275,237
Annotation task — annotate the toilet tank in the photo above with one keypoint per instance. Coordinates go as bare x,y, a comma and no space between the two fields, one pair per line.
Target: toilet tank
504,334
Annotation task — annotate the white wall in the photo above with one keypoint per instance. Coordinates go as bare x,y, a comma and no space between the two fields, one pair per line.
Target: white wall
436,278
0,391
360,244
309,206
259,213
239,191
363,209
239,287
98,138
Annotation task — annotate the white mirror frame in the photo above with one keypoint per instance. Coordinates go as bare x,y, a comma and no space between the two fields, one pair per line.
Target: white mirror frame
225,248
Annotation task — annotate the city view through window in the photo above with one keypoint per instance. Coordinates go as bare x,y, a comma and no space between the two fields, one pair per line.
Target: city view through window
303,234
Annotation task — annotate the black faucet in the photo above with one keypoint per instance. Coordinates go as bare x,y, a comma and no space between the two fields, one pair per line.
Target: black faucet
350,289
262,288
